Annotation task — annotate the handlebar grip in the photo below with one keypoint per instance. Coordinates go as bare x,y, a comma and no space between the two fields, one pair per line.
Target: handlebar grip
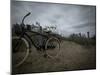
28,14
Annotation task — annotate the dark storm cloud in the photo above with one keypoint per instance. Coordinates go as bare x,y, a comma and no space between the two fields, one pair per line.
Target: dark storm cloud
68,18
84,24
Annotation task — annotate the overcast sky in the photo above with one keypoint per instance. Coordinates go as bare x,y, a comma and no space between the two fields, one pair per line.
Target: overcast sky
68,18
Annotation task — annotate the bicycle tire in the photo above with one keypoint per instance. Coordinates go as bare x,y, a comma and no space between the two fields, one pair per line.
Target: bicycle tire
26,52
46,47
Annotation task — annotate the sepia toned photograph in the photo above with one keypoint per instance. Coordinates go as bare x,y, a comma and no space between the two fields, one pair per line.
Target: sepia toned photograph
52,37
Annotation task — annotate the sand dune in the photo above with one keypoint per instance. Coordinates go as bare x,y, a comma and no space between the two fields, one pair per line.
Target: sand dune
71,57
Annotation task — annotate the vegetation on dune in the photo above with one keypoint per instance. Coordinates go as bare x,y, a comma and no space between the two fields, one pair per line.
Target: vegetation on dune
82,40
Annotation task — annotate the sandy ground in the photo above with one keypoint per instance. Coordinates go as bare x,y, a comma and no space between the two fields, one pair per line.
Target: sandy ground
71,57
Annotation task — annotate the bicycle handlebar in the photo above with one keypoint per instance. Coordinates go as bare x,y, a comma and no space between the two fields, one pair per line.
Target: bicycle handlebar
22,24
25,17
28,14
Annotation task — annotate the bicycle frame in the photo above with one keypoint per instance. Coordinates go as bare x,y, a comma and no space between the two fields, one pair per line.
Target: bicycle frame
24,33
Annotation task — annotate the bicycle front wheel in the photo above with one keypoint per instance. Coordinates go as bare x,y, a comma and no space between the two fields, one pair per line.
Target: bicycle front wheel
20,50
52,47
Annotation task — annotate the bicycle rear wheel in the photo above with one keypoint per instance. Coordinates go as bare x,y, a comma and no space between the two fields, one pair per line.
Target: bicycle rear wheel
52,47
20,50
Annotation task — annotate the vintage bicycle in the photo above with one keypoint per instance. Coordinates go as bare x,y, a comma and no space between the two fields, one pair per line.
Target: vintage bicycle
22,43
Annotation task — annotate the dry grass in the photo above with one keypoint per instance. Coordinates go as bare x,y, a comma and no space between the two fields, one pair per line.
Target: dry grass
72,57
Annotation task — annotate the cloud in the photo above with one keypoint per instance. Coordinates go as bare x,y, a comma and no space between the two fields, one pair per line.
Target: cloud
67,17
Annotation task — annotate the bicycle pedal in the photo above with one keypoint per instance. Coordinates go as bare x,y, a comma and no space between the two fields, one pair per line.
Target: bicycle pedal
30,51
46,56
